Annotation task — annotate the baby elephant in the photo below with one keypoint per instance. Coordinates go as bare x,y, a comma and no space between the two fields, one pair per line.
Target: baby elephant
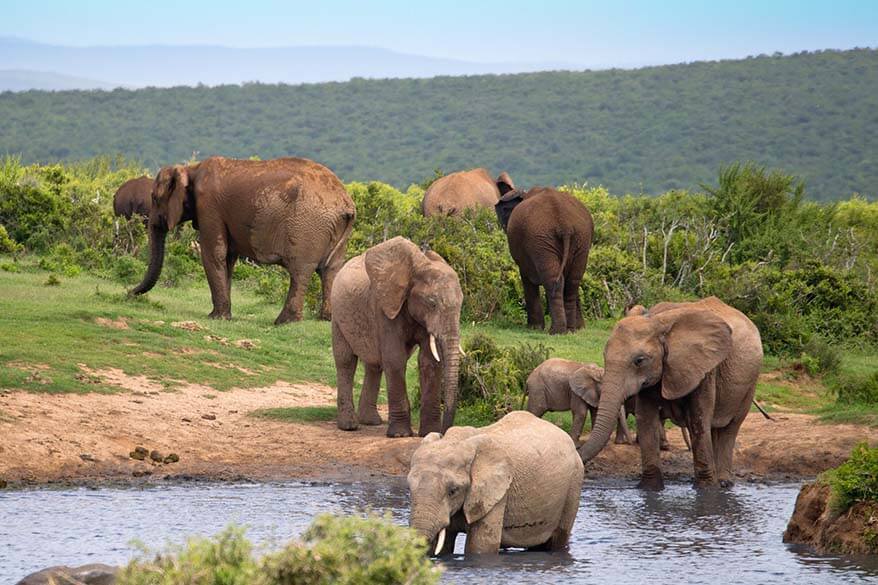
515,483
557,385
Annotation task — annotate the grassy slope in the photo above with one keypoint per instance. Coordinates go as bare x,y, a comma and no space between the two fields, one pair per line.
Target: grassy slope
46,331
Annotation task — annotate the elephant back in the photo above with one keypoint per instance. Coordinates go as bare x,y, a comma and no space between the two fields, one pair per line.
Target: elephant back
451,194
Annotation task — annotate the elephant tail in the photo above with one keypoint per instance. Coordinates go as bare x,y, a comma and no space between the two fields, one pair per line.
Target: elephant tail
565,254
344,226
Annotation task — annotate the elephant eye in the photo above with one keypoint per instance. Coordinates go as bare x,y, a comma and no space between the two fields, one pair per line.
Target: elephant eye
640,360
452,490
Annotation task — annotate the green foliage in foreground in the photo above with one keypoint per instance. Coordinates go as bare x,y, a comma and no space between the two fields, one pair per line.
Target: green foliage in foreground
646,130
334,550
855,480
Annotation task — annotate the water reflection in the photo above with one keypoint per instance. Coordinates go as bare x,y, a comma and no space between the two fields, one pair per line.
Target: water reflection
622,535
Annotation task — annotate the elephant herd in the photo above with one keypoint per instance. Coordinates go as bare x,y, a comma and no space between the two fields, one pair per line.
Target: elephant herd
516,482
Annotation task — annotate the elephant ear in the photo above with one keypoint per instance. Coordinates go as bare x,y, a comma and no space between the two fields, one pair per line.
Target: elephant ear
585,383
490,478
636,311
504,183
177,189
389,266
696,341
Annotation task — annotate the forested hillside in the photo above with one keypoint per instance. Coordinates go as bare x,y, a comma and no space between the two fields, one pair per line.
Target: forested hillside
647,130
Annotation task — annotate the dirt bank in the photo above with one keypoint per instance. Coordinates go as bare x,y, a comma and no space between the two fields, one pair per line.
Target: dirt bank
87,438
814,523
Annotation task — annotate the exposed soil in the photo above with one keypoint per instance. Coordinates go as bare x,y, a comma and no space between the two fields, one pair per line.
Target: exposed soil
854,531
88,438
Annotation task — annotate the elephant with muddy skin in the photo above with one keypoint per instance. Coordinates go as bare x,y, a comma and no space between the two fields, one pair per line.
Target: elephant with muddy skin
134,197
288,211
385,303
549,235
559,385
454,193
697,362
515,483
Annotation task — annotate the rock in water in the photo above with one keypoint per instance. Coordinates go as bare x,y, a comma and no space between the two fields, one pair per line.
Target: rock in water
94,574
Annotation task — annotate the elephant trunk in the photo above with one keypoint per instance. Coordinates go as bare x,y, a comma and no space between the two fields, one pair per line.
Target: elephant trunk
430,521
452,367
612,397
157,236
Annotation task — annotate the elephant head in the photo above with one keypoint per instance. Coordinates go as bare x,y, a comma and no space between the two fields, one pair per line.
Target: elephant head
509,201
672,350
455,481
169,197
424,286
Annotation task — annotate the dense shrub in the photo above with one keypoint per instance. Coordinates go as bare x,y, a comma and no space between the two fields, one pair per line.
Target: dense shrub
855,389
855,480
492,378
345,550
7,244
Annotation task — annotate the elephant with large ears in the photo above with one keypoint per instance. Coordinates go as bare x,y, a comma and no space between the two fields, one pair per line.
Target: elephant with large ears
288,211
134,197
696,362
386,302
549,235
515,483
457,192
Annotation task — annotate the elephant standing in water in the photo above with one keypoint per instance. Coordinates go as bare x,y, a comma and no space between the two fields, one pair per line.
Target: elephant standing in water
387,301
515,483
452,194
288,211
549,234
134,197
695,362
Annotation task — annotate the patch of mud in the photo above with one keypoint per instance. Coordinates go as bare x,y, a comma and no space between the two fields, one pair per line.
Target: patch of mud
118,323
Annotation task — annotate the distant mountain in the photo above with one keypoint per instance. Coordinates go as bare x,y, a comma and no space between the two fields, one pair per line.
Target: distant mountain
23,80
166,66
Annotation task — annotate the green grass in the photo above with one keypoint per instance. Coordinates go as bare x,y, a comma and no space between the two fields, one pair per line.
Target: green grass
47,332
301,414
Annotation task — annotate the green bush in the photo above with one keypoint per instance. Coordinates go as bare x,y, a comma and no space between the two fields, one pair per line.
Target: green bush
855,480
346,550
855,389
492,379
819,357
7,244
62,259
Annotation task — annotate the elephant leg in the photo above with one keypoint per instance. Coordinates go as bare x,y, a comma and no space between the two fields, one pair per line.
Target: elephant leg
327,277
648,435
532,304
561,536
724,450
400,424
292,309
485,535
664,445
622,436
555,297
214,258
430,376
578,422
700,415
231,260
345,368
572,311
368,411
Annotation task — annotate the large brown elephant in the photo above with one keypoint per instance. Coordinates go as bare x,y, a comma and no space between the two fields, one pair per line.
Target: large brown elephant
134,197
288,211
386,302
515,483
452,194
696,362
549,235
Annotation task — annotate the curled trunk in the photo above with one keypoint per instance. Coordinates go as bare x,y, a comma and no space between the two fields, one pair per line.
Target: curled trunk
608,414
157,237
452,353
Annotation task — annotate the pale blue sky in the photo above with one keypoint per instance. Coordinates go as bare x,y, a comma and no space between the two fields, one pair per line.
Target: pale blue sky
585,32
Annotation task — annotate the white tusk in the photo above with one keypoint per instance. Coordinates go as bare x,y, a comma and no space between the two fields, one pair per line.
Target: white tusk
433,348
462,353
439,543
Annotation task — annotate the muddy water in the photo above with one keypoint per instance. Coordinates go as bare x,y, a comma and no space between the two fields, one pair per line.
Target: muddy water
622,535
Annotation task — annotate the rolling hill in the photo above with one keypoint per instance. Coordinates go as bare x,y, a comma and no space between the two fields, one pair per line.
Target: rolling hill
645,130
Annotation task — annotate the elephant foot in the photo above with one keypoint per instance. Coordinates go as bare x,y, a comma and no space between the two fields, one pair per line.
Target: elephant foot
665,446
622,441
537,326
218,314
426,429
287,318
347,421
652,482
726,483
369,418
399,429
554,331
706,483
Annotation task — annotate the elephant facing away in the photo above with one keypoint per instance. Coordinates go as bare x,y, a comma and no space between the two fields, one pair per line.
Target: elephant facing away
288,211
558,385
454,193
385,303
134,197
549,235
697,362
515,483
